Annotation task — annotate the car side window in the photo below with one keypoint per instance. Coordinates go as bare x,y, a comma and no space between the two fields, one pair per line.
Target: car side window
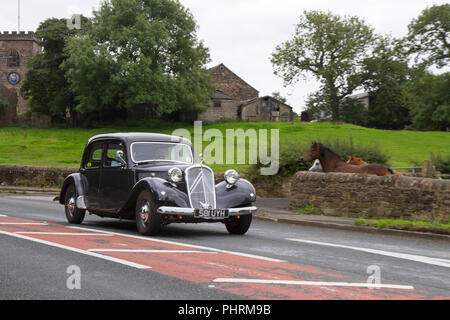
115,155
94,156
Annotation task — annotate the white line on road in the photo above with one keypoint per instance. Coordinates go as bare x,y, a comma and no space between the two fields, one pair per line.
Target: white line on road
93,254
316,283
149,251
24,223
65,233
3,216
185,245
428,260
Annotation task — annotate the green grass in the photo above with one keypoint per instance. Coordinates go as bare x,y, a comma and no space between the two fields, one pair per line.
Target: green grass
64,147
310,210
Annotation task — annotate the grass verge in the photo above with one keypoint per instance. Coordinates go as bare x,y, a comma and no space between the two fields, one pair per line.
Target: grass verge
402,224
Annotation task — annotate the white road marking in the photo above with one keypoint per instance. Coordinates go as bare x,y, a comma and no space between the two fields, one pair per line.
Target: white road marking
149,251
24,223
185,245
93,254
428,260
65,233
3,216
316,283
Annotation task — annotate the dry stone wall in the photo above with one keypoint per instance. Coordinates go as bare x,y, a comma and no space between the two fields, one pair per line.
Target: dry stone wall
353,195
29,176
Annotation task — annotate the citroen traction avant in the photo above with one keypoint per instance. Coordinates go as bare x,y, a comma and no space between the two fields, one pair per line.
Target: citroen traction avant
153,179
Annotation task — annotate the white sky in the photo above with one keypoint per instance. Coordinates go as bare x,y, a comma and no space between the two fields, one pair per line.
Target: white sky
242,34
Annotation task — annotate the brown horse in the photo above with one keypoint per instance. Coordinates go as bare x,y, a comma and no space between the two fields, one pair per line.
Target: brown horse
359,162
331,162
356,161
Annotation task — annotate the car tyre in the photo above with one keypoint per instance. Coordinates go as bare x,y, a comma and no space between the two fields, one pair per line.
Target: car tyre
239,226
74,215
148,220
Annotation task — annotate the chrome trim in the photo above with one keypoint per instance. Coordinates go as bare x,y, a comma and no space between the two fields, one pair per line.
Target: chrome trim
81,202
188,186
177,211
147,142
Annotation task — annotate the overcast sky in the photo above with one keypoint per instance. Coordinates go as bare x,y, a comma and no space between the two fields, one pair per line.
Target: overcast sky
242,34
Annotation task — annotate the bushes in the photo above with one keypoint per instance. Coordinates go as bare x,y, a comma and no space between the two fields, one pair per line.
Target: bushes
369,153
442,163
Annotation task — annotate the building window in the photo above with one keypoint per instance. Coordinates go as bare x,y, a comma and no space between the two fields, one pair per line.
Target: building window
217,104
13,59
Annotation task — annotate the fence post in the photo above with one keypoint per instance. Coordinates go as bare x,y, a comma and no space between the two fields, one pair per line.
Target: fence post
427,169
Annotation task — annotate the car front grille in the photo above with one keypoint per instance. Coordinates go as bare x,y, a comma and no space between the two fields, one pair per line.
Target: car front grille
200,187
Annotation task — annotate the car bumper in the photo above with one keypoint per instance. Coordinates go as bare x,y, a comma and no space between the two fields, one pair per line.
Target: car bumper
176,211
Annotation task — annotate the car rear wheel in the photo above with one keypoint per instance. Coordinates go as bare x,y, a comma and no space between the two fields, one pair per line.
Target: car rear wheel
148,220
74,215
239,225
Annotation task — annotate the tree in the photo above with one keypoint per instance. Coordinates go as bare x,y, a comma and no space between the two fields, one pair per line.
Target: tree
386,76
329,47
139,53
429,36
430,101
350,110
45,85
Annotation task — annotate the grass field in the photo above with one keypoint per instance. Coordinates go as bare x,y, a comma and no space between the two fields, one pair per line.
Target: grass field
64,147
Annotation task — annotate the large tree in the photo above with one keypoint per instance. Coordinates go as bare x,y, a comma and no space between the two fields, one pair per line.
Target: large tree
329,47
429,36
386,75
139,53
429,104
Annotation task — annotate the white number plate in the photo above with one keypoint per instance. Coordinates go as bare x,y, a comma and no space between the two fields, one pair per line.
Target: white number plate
211,213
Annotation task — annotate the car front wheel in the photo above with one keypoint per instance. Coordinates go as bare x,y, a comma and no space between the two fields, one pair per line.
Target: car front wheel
148,220
239,225
73,214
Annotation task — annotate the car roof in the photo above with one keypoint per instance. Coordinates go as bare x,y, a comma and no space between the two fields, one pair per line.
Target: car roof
131,137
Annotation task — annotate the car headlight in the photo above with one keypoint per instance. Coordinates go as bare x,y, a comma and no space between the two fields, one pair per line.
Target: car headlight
231,177
175,175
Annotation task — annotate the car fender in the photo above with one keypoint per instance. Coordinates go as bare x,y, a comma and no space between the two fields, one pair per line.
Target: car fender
242,193
78,181
162,191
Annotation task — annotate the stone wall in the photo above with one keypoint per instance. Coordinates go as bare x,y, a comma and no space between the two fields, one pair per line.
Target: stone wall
266,109
50,177
228,82
9,114
29,176
353,195
227,109
26,45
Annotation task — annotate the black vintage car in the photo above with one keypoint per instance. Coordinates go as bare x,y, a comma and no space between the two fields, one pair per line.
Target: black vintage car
152,178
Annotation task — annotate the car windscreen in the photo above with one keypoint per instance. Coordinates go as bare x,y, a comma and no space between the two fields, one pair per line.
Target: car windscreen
161,151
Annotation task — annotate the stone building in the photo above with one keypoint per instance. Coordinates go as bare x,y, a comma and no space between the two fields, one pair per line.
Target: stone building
363,98
15,51
231,84
235,99
265,109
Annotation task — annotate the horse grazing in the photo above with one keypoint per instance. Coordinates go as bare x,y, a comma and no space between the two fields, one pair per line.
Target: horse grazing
331,162
359,162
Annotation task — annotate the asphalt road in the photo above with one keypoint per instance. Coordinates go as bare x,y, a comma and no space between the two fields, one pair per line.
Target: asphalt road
38,251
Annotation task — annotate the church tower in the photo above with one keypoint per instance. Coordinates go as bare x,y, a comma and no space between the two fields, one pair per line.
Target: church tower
15,51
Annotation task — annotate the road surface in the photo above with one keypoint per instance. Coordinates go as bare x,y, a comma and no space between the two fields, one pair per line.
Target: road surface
43,257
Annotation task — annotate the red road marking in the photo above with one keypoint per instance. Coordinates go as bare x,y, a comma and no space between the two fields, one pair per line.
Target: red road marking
203,269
